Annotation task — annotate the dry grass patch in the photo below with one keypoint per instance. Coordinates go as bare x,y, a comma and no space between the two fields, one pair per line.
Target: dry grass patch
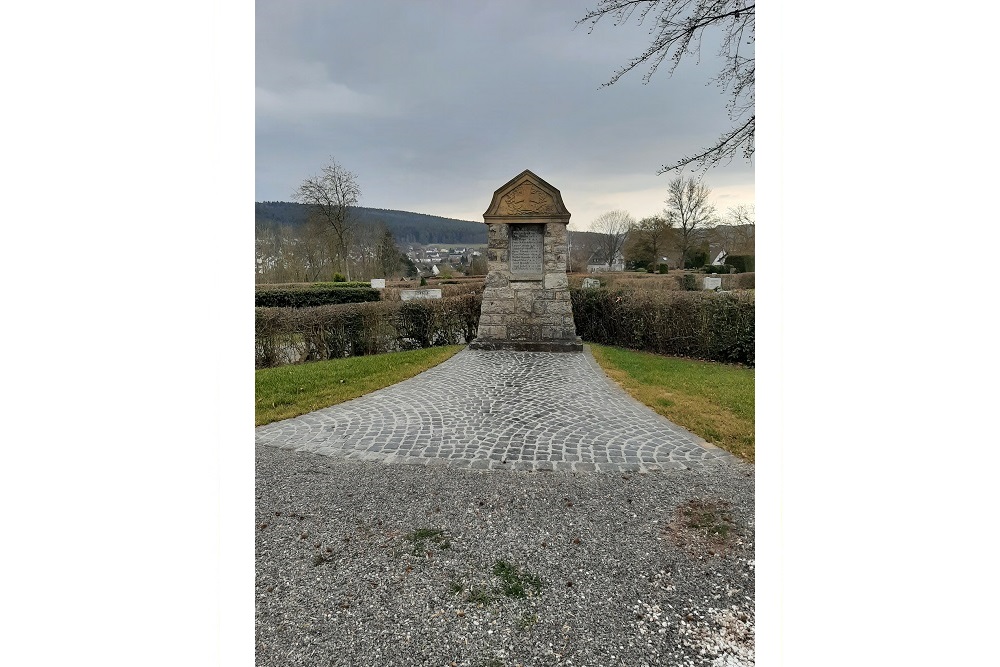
704,526
710,399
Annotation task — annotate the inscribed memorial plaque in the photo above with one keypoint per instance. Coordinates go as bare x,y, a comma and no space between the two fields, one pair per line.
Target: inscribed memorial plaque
526,248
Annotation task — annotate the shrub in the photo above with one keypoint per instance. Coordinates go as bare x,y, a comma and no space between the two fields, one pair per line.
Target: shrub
696,259
741,263
423,281
664,268
689,282
290,335
703,325
339,278
319,296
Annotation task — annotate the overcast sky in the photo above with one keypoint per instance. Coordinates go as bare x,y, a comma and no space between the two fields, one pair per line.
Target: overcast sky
434,105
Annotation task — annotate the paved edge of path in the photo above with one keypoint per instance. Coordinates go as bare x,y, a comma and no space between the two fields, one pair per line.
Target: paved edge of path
642,406
716,455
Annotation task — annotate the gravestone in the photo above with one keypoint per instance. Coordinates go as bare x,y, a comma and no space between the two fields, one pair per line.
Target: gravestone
378,283
410,294
526,302
712,282
591,282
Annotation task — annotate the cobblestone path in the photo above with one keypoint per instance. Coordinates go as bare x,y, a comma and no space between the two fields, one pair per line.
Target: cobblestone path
512,410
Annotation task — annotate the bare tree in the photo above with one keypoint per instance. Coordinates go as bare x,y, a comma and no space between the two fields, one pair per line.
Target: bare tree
314,243
275,254
331,196
360,262
688,208
580,247
737,233
648,240
613,228
677,29
744,214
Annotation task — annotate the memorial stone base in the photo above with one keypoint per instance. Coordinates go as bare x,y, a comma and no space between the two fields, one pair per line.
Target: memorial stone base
526,302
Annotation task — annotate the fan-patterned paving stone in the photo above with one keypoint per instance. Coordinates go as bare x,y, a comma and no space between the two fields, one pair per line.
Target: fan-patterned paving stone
500,409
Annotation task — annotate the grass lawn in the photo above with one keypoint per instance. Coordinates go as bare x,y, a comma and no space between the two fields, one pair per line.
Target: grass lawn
289,391
712,400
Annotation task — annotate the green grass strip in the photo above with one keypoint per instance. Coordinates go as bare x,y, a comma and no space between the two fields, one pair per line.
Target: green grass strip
710,399
290,391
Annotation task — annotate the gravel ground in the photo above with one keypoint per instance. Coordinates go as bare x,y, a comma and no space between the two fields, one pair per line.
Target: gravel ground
364,563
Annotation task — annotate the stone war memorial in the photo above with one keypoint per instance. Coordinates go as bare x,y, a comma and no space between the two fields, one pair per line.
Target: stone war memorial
526,302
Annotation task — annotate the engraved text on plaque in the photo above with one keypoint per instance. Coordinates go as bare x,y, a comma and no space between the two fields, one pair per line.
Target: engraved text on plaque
526,248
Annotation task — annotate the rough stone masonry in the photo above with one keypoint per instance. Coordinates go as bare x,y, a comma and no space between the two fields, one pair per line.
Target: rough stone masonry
526,303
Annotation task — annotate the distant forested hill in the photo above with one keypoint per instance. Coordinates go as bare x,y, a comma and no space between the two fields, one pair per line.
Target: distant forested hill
405,226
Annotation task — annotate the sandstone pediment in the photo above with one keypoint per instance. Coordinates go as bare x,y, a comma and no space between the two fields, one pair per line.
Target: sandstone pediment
527,197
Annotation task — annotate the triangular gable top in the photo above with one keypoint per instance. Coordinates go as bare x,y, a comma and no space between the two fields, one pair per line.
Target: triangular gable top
526,196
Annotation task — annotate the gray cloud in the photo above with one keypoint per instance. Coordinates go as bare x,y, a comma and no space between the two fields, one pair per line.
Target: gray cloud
436,104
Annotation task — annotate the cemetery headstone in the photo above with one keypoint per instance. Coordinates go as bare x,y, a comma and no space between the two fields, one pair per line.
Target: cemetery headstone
526,301
591,282
410,294
712,282
378,283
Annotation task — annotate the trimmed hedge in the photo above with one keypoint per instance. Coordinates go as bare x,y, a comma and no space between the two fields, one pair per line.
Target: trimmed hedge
268,287
703,325
741,263
314,296
744,280
292,335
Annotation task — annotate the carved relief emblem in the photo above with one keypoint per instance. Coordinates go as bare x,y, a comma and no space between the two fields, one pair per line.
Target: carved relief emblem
526,199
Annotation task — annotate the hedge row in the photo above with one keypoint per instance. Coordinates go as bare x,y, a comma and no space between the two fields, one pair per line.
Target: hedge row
703,325
292,335
268,287
317,296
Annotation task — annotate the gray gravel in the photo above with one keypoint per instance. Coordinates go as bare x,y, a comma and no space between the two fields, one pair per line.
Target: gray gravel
622,582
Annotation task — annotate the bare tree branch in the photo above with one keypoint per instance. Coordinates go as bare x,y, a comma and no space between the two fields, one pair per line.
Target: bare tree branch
677,30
